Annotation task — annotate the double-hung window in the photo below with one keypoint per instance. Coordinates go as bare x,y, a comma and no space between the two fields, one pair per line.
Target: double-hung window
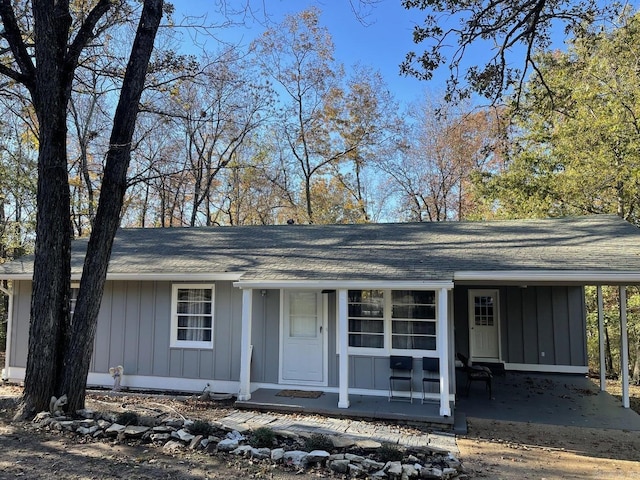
366,318
75,289
413,320
192,316
392,320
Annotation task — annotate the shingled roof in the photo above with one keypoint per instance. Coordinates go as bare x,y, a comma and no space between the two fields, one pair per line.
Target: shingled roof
384,252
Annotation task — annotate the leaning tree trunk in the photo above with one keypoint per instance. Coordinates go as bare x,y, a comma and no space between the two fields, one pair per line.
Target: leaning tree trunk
114,185
50,296
635,377
608,360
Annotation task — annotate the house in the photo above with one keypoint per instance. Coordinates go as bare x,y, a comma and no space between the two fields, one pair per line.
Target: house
324,307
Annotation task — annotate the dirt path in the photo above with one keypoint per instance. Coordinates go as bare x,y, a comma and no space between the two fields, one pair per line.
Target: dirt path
510,450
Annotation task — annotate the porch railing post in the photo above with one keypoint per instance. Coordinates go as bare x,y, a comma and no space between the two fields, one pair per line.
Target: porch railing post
343,350
246,348
603,366
624,347
443,351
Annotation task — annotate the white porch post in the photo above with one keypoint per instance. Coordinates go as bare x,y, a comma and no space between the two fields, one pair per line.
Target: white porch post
343,349
624,347
443,349
603,365
7,358
245,346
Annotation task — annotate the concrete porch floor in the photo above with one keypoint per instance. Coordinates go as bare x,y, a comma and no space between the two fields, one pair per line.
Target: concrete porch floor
362,406
552,399
571,400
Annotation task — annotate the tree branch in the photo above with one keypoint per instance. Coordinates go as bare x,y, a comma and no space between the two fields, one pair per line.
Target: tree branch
12,34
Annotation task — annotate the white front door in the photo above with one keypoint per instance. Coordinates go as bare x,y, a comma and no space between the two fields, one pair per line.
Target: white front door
302,358
484,325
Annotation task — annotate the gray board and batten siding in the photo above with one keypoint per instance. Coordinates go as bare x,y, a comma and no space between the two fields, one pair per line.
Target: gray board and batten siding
533,319
134,331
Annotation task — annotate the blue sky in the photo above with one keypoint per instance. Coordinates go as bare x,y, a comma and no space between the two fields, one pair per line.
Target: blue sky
380,43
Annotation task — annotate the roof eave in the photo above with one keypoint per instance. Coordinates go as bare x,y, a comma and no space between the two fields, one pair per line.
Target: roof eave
583,277
344,284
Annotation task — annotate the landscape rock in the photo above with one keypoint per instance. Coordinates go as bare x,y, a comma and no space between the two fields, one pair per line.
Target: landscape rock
340,466
317,456
431,473
370,465
195,442
368,444
409,471
261,453
277,454
160,437
341,442
135,431
115,429
356,471
354,458
172,446
243,450
394,469
296,458
85,413
182,435
227,445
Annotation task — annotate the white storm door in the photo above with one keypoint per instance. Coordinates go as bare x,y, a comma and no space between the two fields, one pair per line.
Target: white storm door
302,358
484,325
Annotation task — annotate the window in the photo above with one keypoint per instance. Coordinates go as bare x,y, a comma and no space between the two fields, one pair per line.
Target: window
192,316
366,318
413,324
75,289
392,319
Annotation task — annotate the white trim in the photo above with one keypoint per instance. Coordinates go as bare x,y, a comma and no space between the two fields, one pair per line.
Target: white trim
578,276
7,358
343,349
536,367
442,347
246,348
603,363
624,347
169,277
161,384
345,284
174,342
471,322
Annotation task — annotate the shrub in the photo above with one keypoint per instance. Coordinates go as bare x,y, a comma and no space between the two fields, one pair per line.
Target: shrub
128,418
317,441
200,427
389,453
262,437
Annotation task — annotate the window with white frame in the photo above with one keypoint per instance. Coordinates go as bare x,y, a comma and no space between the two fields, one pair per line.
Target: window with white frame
366,318
192,316
413,320
394,320
73,298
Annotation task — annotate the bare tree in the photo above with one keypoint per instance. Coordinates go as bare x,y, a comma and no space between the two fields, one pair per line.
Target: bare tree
59,351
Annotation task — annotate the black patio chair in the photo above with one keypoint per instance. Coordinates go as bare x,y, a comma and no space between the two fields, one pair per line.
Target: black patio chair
401,372
475,373
430,372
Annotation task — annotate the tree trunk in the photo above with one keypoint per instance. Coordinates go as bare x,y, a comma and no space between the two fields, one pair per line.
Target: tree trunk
608,357
635,377
48,331
114,185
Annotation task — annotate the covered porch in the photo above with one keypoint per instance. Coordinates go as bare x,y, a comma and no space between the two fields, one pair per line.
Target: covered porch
554,399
